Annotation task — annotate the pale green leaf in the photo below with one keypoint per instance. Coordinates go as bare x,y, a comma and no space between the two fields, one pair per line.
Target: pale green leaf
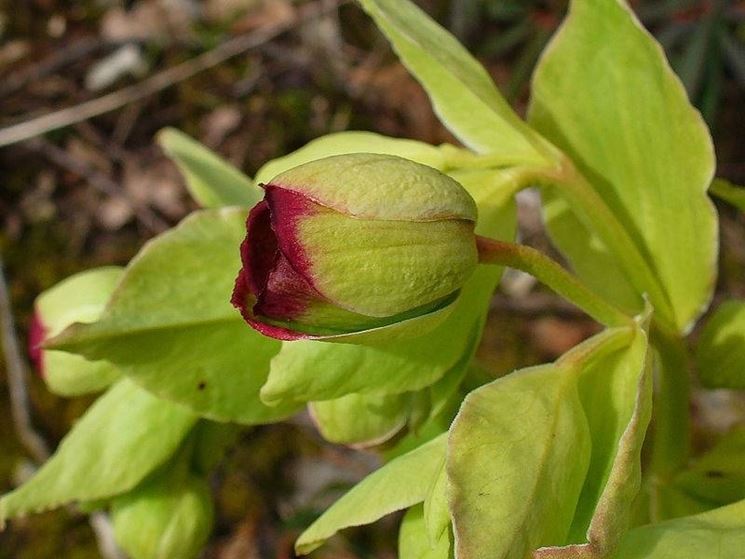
168,517
720,354
604,93
79,298
403,482
461,91
310,370
171,327
361,419
413,542
535,460
717,534
212,181
126,434
616,395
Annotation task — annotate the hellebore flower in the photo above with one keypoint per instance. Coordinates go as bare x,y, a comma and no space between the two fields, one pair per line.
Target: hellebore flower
353,243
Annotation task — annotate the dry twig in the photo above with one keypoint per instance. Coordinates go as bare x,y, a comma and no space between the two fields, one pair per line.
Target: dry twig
158,82
17,371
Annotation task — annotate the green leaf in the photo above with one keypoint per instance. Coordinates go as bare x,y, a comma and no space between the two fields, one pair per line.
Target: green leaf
616,395
717,534
313,371
171,328
79,298
718,476
413,542
403,482
461,91
541,456
168,517
720,354
623,117
211,181
728,192
436,511
361,419
353,142
126,434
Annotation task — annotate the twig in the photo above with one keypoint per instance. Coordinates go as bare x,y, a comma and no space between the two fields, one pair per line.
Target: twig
162,80
17,371
98,180
104,532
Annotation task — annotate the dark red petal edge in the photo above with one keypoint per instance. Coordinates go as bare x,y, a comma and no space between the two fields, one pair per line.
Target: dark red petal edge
36,336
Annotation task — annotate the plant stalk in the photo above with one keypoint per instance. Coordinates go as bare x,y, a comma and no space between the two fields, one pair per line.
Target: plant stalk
553,275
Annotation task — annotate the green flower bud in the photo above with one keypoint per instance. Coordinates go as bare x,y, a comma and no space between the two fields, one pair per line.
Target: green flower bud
168,517
353,243
79,298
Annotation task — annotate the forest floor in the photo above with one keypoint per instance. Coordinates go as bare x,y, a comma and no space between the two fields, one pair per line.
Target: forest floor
92,192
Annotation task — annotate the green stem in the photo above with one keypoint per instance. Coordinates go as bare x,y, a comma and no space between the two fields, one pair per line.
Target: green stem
589,207
671,442
553,275
599,217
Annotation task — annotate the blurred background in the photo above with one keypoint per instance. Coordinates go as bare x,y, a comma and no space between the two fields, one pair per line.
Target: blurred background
91,192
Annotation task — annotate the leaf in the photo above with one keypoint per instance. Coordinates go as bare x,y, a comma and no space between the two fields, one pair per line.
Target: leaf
403,482
461,91
718,476
717,534
126,434
313,371
342,143
413,542
623,117
79,298
720,354
540,456
168,517
436,511
361,419
171,328
729,192
211,181
616,395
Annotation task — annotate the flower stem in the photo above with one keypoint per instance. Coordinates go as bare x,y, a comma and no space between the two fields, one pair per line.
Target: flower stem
553,275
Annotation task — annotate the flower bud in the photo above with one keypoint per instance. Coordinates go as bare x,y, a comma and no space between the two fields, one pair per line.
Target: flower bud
79,298
352,243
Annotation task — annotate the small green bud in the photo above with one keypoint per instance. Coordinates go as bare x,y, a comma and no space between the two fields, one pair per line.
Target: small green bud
352,243
79,298
169,517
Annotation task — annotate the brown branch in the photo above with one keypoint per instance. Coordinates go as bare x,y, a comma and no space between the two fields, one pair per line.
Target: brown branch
160,81
17,372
